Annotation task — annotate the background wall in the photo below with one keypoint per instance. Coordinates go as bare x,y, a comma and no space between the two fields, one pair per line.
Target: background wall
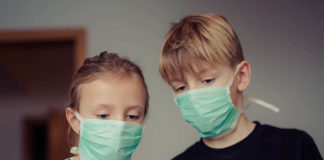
283,41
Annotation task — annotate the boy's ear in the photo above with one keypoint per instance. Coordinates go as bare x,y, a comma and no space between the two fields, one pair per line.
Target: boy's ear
73,120
244,76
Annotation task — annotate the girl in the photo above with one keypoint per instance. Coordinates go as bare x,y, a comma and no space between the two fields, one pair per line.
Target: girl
108,104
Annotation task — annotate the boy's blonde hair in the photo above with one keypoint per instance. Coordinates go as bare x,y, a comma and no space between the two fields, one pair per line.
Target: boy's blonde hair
198,40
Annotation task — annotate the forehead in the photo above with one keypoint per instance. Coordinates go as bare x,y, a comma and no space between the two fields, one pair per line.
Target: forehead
113,92
174,64
197,70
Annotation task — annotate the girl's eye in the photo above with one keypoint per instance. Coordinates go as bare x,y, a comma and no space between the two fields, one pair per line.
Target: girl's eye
102,116
132,117
179,89
208,80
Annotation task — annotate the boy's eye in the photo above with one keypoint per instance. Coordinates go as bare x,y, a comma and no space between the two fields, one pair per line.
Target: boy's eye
132,117
179,89
102,116
208,80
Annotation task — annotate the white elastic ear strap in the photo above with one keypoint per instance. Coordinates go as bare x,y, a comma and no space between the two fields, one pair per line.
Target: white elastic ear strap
77,115
262,103
74,150
234,75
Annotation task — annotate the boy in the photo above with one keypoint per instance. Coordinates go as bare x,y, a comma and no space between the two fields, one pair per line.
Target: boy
202,61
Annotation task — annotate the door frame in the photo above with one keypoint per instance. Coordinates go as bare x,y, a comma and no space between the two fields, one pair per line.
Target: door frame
78,35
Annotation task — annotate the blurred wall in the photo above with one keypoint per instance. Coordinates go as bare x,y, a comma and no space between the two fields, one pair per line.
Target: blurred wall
283,41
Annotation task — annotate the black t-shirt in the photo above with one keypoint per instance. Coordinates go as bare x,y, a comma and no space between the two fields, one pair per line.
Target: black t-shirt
263,143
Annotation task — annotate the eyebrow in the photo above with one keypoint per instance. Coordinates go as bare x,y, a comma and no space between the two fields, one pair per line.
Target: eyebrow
136,107
203,71
175,79
99,106
198,73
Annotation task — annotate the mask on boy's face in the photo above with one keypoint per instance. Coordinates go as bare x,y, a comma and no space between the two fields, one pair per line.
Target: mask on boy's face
211,110
108,139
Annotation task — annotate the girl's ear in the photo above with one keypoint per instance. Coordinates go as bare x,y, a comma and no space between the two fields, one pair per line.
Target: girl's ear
73,120
244,75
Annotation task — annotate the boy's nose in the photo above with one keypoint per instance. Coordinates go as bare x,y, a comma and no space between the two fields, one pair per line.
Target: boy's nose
193,85
192,82
118,118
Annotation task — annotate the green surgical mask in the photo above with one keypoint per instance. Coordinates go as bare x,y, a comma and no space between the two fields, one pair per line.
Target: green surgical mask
108,139
211,110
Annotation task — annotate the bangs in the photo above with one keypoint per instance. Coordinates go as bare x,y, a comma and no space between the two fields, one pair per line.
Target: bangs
174,65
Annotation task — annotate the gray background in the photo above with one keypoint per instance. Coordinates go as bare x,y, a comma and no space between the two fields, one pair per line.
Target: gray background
283,41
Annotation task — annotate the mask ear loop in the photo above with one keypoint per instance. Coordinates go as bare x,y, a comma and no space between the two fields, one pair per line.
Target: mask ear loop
248,104
261,103
234,75
251,99
74,149
78,116
229,85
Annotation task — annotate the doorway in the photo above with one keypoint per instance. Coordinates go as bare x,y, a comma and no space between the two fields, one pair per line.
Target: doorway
36,69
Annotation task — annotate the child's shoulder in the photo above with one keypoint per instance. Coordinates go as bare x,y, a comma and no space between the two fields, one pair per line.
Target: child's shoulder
294,142
283,134
280,130
191,152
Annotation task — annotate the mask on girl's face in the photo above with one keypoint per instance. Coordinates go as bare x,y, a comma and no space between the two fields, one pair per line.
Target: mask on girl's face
211,110
108,139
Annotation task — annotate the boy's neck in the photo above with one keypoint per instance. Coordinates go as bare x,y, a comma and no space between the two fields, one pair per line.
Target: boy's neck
242,130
